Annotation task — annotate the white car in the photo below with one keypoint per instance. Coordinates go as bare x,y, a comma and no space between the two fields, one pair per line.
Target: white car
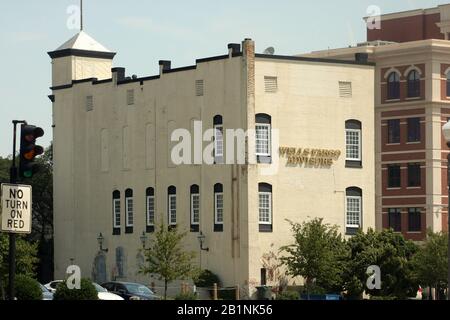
51,286
103,294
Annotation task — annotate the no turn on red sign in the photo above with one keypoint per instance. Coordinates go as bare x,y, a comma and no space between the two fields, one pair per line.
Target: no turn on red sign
16,208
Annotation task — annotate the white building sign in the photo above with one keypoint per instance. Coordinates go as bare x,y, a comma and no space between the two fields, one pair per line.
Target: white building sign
16,208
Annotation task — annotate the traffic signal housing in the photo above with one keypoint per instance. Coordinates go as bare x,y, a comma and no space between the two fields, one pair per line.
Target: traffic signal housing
29,150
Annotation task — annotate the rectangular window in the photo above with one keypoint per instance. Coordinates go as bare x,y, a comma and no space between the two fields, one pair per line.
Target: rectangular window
394,176
414,130
414,175
353,144
265,208
353,212
172,209
345,89
263,140
129,211
130,97
218,141
414,220
218,208
89,103
271,84
116,212
150,211
199,88
195,209
394,131
395,220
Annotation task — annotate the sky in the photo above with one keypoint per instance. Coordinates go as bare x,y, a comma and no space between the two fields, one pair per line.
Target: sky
145,31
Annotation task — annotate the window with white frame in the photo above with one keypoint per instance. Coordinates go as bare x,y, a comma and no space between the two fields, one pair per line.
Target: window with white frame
218,140
150,210
195,208
172,206
218,208
129,208
265,208
116,213
353,216
263,140
353,144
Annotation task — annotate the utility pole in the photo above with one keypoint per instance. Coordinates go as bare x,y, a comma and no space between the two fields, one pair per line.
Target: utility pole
12,236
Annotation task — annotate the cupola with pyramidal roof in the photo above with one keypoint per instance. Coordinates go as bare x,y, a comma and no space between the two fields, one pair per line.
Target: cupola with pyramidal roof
81,57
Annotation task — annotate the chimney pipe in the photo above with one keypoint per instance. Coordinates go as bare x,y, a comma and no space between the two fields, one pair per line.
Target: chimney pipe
118,74
233,48
164,65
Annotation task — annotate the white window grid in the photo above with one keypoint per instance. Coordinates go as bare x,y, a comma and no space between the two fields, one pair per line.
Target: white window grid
130,217
353,212
265,208
116,212
172,209
150,211
218,140
218,208
353,144
195,209
263,140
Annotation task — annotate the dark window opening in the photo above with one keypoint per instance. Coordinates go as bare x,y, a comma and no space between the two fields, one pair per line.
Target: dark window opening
395,220
413,84
394,131
414,130
394,176
414,175
414,220
393,86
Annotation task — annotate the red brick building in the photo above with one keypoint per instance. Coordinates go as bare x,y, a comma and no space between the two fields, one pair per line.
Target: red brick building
412,103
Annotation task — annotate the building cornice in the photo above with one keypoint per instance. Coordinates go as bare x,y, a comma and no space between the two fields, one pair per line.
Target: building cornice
81,53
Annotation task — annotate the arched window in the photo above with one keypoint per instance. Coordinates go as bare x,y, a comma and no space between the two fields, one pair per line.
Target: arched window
172,206
116,212
413,84
393,86
129,211
218,140
353,140
263,134
218,207
150,206
265,207
195,208
448,84
353,210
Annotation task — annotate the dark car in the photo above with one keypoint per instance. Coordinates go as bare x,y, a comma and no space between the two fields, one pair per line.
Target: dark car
130,291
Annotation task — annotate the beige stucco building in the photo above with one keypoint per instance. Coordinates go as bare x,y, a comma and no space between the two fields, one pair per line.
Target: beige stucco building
313,156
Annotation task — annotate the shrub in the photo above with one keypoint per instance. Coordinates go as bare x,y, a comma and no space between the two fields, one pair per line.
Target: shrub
288,295
86,292
27,288
206,279
186,296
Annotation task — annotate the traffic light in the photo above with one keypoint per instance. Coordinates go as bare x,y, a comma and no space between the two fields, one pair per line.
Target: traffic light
29,150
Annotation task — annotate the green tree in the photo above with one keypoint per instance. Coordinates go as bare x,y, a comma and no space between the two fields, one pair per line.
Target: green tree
167,257
430,263
388,250
318,255
26,259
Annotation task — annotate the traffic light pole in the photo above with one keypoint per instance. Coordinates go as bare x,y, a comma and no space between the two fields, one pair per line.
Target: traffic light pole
12,236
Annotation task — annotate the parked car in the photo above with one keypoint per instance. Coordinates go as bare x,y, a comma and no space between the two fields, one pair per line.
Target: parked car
130,291
51,286
46,294
103,294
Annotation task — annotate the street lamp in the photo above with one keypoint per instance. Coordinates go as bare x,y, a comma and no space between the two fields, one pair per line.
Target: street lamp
143,239
100,240
446,132
201,239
